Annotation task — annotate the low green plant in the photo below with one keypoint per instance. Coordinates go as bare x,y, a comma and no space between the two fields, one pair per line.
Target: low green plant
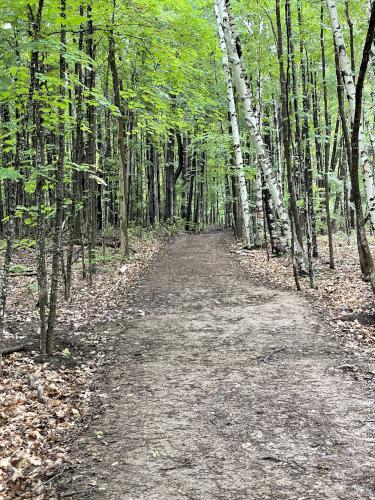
31,288
18,269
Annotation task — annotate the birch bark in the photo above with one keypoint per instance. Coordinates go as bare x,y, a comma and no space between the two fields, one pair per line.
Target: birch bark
251,120
348,80
371,124
235,131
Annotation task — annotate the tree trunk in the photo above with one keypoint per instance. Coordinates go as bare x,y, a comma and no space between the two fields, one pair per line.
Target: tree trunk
169,179
235,133
348,80
38,163
123,169
286,129
326,141
59,193
234,53
365,256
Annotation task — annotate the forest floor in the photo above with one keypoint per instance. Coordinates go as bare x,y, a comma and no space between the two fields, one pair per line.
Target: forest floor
340,294
225,386
42,400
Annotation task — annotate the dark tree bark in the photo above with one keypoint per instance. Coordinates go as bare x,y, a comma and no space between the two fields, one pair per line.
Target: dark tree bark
191,176
36,70
185,162
286,129
297,120
326,141
123,168
169,179
90,149
366,260
151,181
199,194
59,193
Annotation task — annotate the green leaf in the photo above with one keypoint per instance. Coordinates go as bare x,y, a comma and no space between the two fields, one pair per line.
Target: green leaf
9,173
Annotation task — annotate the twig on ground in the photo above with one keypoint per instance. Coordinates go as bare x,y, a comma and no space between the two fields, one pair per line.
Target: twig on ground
11,350
266,357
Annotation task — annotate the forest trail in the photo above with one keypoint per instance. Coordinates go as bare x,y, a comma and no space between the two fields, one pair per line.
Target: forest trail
227,389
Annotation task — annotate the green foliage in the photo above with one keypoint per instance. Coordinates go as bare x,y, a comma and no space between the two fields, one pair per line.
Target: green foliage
104,259
171,75
9,173
31,288
18,269
25,243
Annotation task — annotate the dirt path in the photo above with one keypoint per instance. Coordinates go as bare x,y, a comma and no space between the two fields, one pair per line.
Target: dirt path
226,389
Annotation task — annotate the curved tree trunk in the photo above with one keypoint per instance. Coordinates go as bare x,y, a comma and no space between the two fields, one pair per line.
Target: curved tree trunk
367,263
251,119
348,80
235,132
235,58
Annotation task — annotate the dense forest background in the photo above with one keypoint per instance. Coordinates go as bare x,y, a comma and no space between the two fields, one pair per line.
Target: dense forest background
120,115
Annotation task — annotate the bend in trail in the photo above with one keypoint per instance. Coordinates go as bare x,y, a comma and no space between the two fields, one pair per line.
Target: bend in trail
227,389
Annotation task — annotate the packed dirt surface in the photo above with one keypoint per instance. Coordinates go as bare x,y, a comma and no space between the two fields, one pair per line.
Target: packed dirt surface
223,388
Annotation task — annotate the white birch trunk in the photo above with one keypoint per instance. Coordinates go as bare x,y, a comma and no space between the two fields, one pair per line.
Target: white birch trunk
278,160
372,61
372,81
251,120
259,210
259,222
348,81
235,133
